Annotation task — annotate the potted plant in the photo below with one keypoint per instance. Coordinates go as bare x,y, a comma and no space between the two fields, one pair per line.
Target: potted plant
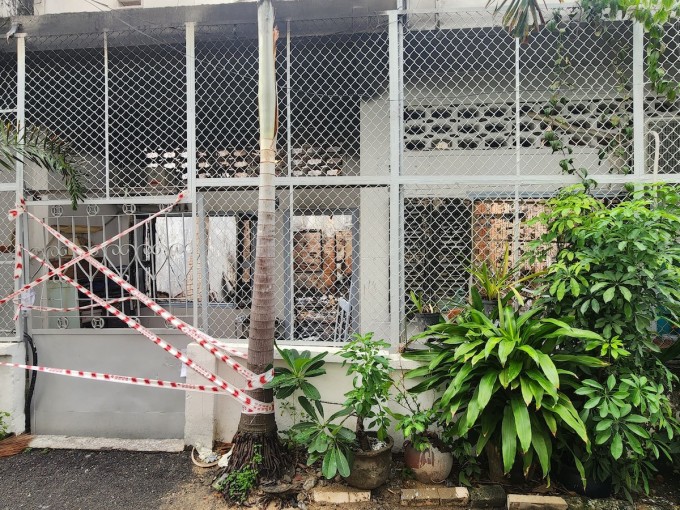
497,283
367,401
427,313
425,454
363,457
503,383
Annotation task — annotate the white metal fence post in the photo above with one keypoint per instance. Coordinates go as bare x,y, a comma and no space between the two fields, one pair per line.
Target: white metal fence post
396,69
190,28
21,226
638,98
107,163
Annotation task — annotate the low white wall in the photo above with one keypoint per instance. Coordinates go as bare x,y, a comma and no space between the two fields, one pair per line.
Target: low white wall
210,417
12,382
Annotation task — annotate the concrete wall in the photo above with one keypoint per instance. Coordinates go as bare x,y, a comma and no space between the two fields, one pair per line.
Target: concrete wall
77,407
210,417
12,382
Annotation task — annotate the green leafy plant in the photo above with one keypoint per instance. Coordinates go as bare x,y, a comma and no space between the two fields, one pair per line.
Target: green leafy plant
617,267
420,304
44,149
616,272
371,381
415,427
469,468
292,377
504,383
4,428
327,438
236,485
632,424
499,281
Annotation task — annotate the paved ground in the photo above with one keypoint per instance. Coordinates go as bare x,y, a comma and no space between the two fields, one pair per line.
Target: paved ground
122,480
111,480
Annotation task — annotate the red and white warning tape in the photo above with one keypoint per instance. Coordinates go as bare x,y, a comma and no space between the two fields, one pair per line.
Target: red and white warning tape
73,308
250,405
212,345
123,379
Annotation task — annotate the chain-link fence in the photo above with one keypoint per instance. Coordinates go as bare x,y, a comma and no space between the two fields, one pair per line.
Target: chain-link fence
410,148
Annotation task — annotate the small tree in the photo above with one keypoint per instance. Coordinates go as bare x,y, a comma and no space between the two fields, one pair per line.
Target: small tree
258,431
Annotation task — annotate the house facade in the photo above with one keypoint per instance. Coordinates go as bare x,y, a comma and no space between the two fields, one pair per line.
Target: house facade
411,145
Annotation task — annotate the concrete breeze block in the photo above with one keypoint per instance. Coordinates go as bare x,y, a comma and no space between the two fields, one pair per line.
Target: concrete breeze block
532,502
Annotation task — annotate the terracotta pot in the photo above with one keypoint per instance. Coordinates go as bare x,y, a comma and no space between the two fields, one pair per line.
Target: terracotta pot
429,466
370,470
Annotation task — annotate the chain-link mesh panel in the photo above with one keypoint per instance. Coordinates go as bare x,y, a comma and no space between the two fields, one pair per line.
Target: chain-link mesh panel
148,112
65,96
459,87
227,229
339,103
7,258
450,229
576,81
339,246
227,130
8,78
156,258
332,271
662,117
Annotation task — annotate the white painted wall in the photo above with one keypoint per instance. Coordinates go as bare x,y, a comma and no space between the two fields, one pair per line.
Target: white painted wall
12,384
211,417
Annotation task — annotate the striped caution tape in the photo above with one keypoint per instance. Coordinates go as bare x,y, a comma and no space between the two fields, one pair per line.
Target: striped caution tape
250,405
73,308
123,379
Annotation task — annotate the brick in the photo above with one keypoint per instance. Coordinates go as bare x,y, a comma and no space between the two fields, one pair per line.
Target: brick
453,496
330,495
358,496
488,496
531,502
425,496
340,495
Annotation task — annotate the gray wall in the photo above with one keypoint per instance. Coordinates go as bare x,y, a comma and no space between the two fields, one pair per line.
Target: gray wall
77,407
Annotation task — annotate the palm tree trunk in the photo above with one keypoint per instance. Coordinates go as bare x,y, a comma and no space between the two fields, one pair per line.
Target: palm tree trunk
259,431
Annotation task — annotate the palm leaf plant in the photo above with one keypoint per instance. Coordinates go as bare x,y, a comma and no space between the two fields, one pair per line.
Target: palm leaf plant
44,149
506,384
520,17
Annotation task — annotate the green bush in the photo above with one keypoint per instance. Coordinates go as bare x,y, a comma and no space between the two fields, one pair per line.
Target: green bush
503,383
617,271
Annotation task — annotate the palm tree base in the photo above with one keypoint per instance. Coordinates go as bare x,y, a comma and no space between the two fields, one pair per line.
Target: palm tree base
245,444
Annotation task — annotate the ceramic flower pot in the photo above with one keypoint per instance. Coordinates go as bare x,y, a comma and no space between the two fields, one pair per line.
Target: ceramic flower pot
370,470
429,466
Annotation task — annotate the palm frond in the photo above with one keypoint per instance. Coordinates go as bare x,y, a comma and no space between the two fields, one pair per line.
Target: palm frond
520,17
45,150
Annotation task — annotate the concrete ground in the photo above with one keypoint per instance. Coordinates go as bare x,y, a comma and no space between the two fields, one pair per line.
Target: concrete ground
112,480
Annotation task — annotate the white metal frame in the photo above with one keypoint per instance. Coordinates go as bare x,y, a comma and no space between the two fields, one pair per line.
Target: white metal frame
395,180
